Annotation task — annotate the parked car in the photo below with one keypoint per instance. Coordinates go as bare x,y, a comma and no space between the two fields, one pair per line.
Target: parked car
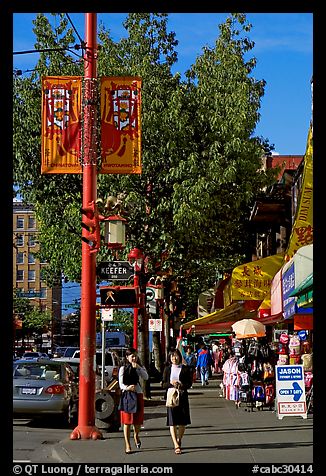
74,363
65,351
35,355
112,362
120,351
44,387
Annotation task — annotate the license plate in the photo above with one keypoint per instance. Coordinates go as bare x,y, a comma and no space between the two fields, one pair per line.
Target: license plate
29,391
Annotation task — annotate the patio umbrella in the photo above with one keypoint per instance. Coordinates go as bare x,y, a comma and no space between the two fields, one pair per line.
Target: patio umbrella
248,328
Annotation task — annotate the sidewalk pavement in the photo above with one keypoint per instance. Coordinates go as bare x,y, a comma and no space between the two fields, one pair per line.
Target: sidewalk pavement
219,433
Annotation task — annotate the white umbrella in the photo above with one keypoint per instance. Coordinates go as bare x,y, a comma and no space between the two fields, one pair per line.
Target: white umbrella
248,328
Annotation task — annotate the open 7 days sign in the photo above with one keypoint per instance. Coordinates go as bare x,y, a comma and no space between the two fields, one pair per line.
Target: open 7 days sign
290,391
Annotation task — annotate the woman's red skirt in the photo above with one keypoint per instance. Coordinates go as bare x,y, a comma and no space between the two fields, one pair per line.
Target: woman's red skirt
134,418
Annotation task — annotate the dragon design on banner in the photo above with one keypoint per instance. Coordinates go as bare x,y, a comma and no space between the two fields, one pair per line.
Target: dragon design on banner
61,124
120,125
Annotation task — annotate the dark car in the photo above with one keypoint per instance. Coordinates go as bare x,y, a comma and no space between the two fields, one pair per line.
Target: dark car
35,355
43,388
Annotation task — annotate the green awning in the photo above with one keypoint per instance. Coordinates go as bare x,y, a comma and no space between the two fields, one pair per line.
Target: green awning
304,286
304,292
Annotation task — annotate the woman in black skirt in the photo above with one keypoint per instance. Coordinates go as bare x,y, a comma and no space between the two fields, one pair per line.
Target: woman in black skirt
179,376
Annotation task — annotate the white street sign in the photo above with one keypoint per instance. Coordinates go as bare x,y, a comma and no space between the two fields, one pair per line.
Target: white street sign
155,324
107,314
290,391
150,294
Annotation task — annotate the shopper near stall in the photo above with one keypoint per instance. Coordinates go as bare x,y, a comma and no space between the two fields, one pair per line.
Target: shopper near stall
191,361
204,363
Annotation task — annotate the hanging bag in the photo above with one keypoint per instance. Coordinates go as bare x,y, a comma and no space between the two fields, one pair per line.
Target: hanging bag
172,397
128,402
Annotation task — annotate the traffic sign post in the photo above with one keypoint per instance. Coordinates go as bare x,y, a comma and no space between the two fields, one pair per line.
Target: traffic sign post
290,391
115,270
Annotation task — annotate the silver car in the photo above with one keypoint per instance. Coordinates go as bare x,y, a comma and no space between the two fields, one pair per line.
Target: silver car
44,387
111,360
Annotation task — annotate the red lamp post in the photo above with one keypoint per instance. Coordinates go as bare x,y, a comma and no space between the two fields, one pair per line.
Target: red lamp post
86,428
137,258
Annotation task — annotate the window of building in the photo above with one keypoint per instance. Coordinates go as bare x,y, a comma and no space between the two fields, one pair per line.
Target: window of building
31,222
31,240
20,258
19,240
31,258
43,293
31,275
20,222
20,275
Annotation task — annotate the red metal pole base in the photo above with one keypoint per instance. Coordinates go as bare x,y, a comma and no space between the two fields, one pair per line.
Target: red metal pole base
86,433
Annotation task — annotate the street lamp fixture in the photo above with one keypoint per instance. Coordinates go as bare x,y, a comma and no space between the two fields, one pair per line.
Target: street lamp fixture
136,257
115,232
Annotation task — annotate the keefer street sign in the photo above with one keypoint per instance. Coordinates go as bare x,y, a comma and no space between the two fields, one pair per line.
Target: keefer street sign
115,270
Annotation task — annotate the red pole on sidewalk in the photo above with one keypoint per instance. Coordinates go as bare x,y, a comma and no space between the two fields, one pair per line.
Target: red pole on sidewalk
135,330
86,428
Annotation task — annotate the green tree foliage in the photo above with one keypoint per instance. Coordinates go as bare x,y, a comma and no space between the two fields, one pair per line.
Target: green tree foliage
32,317
201,163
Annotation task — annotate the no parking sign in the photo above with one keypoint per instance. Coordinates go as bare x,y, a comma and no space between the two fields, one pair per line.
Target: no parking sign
154,324
290,391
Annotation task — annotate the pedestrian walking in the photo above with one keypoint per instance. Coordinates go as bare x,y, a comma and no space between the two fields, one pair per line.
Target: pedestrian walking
177,375
204,363
215,353
133,412
191,361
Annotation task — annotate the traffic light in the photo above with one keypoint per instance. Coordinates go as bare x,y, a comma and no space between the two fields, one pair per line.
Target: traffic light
91,223
119,296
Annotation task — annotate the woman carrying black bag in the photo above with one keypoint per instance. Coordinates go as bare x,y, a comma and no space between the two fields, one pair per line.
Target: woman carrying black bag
178,376
129,376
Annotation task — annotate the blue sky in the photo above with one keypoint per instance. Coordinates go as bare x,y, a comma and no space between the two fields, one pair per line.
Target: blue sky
283,48
284,52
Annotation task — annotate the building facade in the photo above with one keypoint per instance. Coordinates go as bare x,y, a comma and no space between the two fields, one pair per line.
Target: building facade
27,273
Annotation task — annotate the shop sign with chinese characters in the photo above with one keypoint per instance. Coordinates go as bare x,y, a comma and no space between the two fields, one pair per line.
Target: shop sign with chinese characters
290,391
252,281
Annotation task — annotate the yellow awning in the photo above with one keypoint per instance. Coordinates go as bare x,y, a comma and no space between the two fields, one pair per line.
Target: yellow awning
217,316
252,281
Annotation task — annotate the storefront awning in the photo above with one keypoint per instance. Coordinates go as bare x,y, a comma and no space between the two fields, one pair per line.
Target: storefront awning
216,316
218,327
304,292
252,281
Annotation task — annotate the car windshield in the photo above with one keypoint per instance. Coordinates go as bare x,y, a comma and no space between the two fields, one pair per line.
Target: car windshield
31,354
37,371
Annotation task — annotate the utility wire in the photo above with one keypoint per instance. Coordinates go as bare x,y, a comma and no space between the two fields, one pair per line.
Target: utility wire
75,30
44,50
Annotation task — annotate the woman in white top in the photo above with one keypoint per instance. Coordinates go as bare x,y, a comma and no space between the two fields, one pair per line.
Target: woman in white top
129,380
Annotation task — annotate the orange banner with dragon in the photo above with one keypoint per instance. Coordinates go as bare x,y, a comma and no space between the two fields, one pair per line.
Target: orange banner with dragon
61,124
120,125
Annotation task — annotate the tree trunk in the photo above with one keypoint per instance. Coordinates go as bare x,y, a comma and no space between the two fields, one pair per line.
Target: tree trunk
157,351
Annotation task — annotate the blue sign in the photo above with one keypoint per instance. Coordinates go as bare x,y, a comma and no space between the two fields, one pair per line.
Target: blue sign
289,372
296,391
288,285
